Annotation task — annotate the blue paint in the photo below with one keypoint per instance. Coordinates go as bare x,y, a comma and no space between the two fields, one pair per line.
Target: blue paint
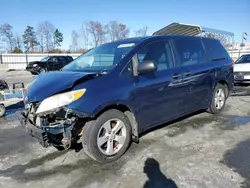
154,97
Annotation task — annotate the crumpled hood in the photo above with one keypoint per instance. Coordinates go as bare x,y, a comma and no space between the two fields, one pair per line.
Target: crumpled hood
50,83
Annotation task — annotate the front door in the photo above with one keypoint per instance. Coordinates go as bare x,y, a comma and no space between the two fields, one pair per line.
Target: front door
159,93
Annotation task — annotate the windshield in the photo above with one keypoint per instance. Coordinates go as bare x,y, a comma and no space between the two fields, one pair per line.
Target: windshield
101,58
243,59
45,59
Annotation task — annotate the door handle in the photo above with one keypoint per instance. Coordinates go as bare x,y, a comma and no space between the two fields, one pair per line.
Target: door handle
176,76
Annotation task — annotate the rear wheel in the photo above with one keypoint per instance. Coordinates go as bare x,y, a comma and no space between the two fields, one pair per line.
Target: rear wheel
218,100
2,110
108,137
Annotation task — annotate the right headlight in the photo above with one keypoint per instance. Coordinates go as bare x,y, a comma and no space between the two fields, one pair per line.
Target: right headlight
57,101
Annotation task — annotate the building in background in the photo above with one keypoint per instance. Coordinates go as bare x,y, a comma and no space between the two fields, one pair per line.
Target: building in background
237,46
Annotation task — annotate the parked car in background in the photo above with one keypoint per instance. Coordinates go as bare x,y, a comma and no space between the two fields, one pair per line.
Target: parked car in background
242,70
109,95
49,63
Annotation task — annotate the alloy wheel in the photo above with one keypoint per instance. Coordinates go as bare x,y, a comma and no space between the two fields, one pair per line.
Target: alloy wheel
111,136
219,98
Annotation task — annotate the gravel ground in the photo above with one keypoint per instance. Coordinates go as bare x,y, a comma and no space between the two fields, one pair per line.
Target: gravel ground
16,76
201,150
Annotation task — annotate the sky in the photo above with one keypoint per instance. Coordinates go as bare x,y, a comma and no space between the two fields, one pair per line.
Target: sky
68,15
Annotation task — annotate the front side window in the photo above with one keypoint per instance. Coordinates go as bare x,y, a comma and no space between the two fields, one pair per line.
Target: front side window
243,59
101,58
53,59
159,52
190,51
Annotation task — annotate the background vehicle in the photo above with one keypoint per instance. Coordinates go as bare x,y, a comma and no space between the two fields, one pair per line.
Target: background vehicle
49,63
242,70
108,96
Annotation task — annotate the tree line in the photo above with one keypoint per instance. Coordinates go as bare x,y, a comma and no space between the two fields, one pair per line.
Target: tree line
94,33
46,38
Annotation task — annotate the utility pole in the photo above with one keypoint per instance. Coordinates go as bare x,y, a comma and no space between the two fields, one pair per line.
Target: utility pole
244,38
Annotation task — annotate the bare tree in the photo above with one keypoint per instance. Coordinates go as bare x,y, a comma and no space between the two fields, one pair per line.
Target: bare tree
18,42
75,41
85,35
117,31
45,32
7,36
97,32
112,28
40,36
141,32
123,32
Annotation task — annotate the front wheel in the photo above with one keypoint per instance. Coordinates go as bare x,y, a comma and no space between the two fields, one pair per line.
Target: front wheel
108,137
218,100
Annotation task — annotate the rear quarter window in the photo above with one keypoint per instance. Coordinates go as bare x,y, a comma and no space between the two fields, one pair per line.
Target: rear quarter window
215,49
69,58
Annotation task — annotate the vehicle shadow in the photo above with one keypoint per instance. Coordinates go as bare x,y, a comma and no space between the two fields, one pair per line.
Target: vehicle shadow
87,170
155,177
242,90
178,120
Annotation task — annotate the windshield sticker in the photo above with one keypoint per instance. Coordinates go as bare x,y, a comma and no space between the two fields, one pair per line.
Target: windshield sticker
126,45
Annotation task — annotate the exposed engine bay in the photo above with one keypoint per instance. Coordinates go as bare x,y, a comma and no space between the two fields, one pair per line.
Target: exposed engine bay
60,129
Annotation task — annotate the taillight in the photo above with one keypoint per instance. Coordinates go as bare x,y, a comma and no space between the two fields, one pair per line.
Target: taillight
233,63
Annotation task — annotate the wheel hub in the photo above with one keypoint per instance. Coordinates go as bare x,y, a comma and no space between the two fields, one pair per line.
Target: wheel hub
111,136
219,98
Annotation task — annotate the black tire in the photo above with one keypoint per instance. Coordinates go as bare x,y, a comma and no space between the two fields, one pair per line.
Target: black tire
213,109
33,73
43,70
90,133
2,110
59,148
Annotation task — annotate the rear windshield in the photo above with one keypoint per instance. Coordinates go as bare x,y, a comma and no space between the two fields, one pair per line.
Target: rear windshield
215,49
243,59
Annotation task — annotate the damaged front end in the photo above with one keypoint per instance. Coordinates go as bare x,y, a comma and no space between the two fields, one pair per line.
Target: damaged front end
61,128
47,115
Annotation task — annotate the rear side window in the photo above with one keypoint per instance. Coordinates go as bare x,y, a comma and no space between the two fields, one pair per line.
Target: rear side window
61,59
69,58
215,49
190,51
53,59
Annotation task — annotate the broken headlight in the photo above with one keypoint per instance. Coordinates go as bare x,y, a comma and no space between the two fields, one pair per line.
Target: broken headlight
59,100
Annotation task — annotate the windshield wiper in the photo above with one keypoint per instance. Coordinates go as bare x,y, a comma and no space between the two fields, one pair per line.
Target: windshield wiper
218,59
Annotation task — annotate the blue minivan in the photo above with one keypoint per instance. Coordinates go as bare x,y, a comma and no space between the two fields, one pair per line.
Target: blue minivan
111,94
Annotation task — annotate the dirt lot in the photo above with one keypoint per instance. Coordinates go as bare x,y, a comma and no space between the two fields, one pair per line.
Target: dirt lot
201,150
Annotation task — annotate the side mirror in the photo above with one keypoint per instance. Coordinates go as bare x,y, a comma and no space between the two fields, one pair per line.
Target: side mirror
146,67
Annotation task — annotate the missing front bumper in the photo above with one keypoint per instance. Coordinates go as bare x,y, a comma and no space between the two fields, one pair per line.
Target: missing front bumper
59,135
